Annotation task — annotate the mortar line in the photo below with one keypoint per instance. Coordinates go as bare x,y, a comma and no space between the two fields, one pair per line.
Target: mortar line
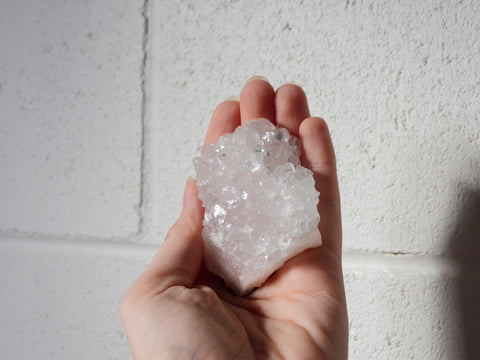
80,245
353,260
141,211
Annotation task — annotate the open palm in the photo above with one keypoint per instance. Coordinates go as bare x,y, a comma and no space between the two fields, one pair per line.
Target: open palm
177,310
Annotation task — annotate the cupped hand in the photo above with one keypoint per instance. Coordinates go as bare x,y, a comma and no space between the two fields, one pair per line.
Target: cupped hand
178,310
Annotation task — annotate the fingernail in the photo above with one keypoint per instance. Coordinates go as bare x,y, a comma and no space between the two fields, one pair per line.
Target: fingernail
257,77
233,98
187,193
293,83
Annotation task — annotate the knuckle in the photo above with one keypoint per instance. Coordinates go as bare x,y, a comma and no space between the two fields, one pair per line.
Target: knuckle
202,298
131,300
170,233
126,305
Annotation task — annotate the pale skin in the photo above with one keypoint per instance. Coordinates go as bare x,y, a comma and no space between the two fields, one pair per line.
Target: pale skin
178,310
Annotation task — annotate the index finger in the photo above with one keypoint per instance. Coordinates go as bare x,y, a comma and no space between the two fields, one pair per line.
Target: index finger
225,119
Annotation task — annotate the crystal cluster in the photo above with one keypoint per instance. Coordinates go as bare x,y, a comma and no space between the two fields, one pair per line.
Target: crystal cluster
260,203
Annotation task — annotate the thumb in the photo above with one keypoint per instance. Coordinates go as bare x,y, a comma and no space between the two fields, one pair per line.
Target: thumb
178,261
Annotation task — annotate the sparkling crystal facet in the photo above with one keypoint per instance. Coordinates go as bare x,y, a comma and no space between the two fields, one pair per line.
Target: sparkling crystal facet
260,203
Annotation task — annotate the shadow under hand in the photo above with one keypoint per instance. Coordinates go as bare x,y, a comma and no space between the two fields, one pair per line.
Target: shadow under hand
463,249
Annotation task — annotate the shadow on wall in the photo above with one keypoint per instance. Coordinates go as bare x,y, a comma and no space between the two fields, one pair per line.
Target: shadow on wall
464,249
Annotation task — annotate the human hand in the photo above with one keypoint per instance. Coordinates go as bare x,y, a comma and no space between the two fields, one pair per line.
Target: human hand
178,310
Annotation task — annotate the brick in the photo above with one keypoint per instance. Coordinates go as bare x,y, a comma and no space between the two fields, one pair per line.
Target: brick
62,301
70,110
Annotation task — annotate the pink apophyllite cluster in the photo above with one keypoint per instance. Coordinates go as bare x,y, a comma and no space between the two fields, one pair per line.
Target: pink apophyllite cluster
260,204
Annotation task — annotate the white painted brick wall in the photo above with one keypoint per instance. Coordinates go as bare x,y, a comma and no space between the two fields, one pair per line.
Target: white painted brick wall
70,110
103,104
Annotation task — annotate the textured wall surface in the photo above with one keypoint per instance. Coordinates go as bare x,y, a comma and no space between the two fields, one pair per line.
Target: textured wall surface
70,107
103,104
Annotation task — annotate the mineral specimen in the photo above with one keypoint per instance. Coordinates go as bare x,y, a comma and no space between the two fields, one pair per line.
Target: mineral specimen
260,203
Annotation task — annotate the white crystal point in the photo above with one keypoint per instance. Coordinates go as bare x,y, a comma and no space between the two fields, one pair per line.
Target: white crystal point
260,204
